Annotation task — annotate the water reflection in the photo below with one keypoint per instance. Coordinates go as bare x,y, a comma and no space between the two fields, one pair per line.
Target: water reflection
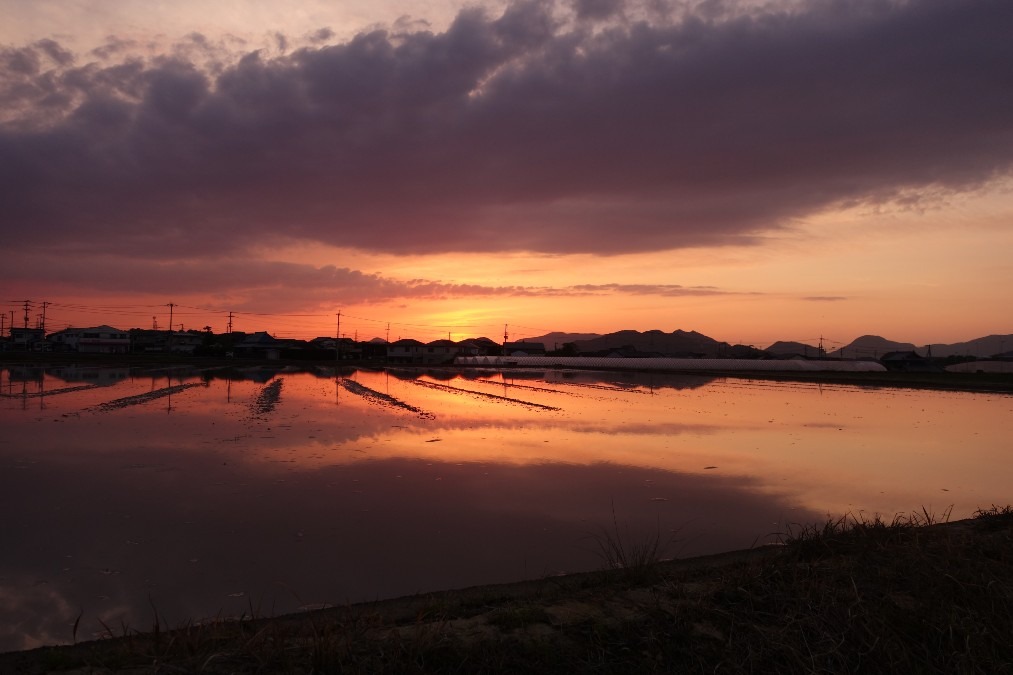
202,534
218,490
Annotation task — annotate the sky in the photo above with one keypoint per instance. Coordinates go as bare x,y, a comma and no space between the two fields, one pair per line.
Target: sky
752,170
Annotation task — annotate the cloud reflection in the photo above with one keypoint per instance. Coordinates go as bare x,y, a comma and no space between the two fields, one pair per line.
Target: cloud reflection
203,534
207,504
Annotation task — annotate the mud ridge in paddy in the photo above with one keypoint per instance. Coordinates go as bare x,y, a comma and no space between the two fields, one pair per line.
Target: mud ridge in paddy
494,383
380,398
604,387
53,392
267,398
457,390
149,396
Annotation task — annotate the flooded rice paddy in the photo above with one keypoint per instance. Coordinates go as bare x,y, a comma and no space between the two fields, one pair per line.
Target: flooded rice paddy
222,492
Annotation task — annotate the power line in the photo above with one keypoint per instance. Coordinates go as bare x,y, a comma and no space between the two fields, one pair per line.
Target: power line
290,323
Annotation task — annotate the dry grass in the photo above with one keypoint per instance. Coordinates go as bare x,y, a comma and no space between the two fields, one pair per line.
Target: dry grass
852,595
634,555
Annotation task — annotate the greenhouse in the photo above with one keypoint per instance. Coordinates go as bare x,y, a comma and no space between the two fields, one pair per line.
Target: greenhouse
711,365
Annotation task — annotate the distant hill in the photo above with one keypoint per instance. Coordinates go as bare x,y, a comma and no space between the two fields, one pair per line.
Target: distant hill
980,347
785,348
874,346
552,339
682,343
871,347
676,343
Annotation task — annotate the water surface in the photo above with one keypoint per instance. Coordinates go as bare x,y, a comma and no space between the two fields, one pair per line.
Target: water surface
204,493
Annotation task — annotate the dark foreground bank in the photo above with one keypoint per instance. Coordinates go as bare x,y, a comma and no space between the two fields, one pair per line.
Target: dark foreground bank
845,597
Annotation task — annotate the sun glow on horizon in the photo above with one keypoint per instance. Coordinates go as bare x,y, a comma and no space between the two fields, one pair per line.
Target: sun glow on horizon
418,209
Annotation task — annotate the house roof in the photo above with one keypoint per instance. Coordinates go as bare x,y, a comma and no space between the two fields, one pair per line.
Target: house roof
902,356
529,346
104,328
259,338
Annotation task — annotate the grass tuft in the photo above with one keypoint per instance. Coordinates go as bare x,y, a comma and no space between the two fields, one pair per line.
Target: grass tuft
856,531
635,556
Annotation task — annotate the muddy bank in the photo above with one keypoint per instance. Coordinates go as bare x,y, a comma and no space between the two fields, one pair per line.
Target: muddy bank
840,597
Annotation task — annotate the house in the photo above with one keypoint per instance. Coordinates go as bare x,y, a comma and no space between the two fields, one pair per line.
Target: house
181,342
405,350
482,346
324,343
908,362
523,349
440,351
27,339
143,340
95,340
348,349
260,345
343,348
374,350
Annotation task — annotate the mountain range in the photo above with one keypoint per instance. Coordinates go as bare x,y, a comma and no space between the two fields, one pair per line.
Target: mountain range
683,343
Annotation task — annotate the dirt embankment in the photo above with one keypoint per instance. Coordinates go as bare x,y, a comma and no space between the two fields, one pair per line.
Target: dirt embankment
844,597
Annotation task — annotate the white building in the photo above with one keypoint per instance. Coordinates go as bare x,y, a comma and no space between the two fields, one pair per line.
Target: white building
96,340
27,339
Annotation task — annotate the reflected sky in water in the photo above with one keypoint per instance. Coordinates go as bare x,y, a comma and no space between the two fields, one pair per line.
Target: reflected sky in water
214,492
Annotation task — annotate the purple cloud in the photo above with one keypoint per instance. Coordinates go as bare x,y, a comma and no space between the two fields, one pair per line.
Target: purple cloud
516,132
241,283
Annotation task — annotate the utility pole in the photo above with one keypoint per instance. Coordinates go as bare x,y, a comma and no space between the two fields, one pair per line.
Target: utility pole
44,305
337,340
28,303
388,332
154,323
3,318
230,323
168,343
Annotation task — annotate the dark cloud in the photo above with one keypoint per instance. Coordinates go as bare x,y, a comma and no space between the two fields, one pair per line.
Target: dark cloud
596,9
55,52
667,290
114,46
251,284
321,35
233,278
514,132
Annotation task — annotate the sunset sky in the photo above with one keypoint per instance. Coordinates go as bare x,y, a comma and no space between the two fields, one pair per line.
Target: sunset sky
753,170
